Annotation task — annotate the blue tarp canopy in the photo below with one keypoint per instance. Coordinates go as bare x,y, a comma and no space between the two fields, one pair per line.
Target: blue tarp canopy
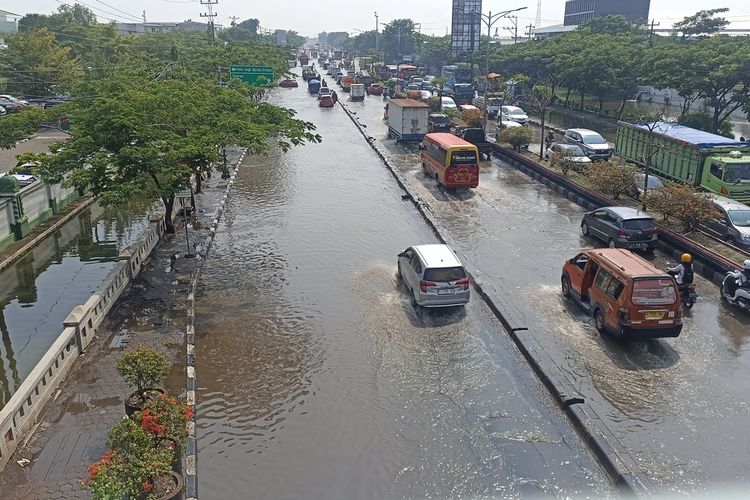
691,136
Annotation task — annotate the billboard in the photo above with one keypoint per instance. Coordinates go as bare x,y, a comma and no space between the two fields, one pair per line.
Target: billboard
466,27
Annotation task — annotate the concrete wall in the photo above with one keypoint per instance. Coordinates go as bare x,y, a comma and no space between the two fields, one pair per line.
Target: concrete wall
6,224
19,415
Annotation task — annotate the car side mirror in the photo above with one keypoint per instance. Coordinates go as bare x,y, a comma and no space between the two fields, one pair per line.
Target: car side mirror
401,254
421,147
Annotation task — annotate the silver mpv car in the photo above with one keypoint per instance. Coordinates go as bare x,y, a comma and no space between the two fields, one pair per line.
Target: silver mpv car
434,276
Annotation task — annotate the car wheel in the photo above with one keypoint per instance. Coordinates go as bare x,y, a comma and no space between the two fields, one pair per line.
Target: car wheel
599,321
565,287
585,229
612,244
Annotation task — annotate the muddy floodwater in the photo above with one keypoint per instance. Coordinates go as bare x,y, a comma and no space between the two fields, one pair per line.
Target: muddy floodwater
318,379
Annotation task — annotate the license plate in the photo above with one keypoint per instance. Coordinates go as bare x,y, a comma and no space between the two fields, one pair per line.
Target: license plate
654,315
446,291
638,245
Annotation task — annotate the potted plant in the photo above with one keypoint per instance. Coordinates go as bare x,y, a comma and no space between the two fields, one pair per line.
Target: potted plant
166,419
144,370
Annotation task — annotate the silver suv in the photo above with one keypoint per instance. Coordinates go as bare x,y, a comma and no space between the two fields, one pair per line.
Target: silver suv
433,276
733,223
592,144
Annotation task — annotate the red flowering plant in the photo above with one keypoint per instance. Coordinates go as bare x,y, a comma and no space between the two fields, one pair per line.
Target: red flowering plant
166,417
129,468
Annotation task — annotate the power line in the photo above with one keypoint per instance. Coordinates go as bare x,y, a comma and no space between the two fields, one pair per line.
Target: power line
118,10
122,18
210,15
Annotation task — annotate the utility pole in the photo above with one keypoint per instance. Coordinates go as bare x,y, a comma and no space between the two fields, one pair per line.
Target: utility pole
144,16
210,15
514,30
653,24
377,31
233,20
530,33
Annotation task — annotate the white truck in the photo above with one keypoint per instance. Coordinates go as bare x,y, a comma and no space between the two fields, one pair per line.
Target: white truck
357,92
407,120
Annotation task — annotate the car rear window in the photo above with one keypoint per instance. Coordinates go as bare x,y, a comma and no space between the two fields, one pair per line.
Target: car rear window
638,224
654,292
440,119
444,274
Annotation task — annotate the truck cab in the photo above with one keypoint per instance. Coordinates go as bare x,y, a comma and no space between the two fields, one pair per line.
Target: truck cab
728,174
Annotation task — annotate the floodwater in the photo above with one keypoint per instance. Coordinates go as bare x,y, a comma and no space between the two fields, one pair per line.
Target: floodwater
39,291
680,406
317,378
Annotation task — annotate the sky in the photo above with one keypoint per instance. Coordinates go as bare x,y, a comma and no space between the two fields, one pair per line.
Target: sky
309,18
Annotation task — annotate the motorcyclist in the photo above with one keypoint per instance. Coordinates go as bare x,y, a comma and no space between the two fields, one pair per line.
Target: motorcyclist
683,272
743,280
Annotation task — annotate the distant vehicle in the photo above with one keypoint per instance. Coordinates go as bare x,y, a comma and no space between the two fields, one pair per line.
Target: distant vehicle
448,103
733,225
468,107
406,71
407,120
627,295
347,82
56,100
324,91
462,93
654,183
593,144
326,101
621,227
438,122
11,104
433,276
304,60
703,159
477,137
313,86
450,160
357,92
513,114
376,89
570,153
2,111
493,105
23,102
288,83
426,94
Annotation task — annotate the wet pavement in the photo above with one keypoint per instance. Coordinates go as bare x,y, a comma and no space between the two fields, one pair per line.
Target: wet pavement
317,378
39,143
39,291
73,427
680,406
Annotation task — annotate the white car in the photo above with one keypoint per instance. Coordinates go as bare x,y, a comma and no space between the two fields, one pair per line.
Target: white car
513,114
448,103
426,94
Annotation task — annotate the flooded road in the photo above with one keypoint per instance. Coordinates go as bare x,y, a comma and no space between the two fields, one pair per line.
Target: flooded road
39,291
679,405
317,379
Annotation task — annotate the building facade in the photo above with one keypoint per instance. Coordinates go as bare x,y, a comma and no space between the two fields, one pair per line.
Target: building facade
8,24
578,11
466,27
144,28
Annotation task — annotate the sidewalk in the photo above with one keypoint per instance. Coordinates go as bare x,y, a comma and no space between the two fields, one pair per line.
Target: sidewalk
72,430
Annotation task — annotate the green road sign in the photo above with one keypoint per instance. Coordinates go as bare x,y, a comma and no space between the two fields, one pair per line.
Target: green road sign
258,76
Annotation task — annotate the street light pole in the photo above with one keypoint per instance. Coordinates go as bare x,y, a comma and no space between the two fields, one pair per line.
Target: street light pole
377,29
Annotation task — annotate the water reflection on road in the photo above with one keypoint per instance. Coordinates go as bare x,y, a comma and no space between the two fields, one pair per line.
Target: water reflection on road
317,379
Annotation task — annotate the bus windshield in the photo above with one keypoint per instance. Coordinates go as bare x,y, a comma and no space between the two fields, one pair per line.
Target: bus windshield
460,158
737,172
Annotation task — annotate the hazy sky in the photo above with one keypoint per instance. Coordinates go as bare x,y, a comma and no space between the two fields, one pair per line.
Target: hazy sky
310,17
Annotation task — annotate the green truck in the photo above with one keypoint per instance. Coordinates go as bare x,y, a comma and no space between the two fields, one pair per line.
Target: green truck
681,153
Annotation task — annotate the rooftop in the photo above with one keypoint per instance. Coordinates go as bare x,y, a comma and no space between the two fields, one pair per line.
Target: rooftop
437,255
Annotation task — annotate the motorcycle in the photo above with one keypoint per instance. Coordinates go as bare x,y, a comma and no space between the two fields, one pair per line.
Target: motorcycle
729,288
688,293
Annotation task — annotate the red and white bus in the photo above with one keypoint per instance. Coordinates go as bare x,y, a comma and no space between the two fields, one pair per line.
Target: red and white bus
450,160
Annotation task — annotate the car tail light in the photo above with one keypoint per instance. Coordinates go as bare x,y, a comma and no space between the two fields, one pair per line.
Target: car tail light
424,285
464,283
624,314
622,234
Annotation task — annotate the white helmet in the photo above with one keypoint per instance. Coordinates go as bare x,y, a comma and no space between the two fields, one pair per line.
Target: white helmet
747,265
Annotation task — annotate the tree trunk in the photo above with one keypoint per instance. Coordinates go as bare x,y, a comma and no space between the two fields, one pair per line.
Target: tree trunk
582,97
541,148
622,108
198,181
601,104
567,97
168,208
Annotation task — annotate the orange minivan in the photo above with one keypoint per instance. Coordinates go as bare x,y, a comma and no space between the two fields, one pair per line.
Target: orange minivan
626,294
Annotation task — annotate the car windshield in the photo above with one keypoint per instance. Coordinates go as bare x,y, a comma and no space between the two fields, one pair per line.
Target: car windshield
571,150
654,292
737,172
638,224
654,182
593,139
517,112
444,274
740,218
441,119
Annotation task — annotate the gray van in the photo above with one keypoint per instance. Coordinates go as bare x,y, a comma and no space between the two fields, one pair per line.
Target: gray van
733,224
434,276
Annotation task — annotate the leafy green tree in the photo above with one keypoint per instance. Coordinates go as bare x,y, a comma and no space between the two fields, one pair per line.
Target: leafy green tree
362,43
704,121
293,39
250,25
609,25
338,39
434,51
18,126
398,39
703,22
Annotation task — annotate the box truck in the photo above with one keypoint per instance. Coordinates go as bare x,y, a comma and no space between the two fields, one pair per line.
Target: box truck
407,120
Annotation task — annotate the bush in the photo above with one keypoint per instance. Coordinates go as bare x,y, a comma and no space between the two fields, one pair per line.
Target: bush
434,104
682,202
451,113
143,369
474,118
562,160
612,180
516,137
166,417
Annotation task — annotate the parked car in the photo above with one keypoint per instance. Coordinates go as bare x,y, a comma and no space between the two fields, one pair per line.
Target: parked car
733,226
2,111
621,227
438,122
654,183
11,104
627,295
513,114
593,144
58,99
448,103
23,102
433,276
569,153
